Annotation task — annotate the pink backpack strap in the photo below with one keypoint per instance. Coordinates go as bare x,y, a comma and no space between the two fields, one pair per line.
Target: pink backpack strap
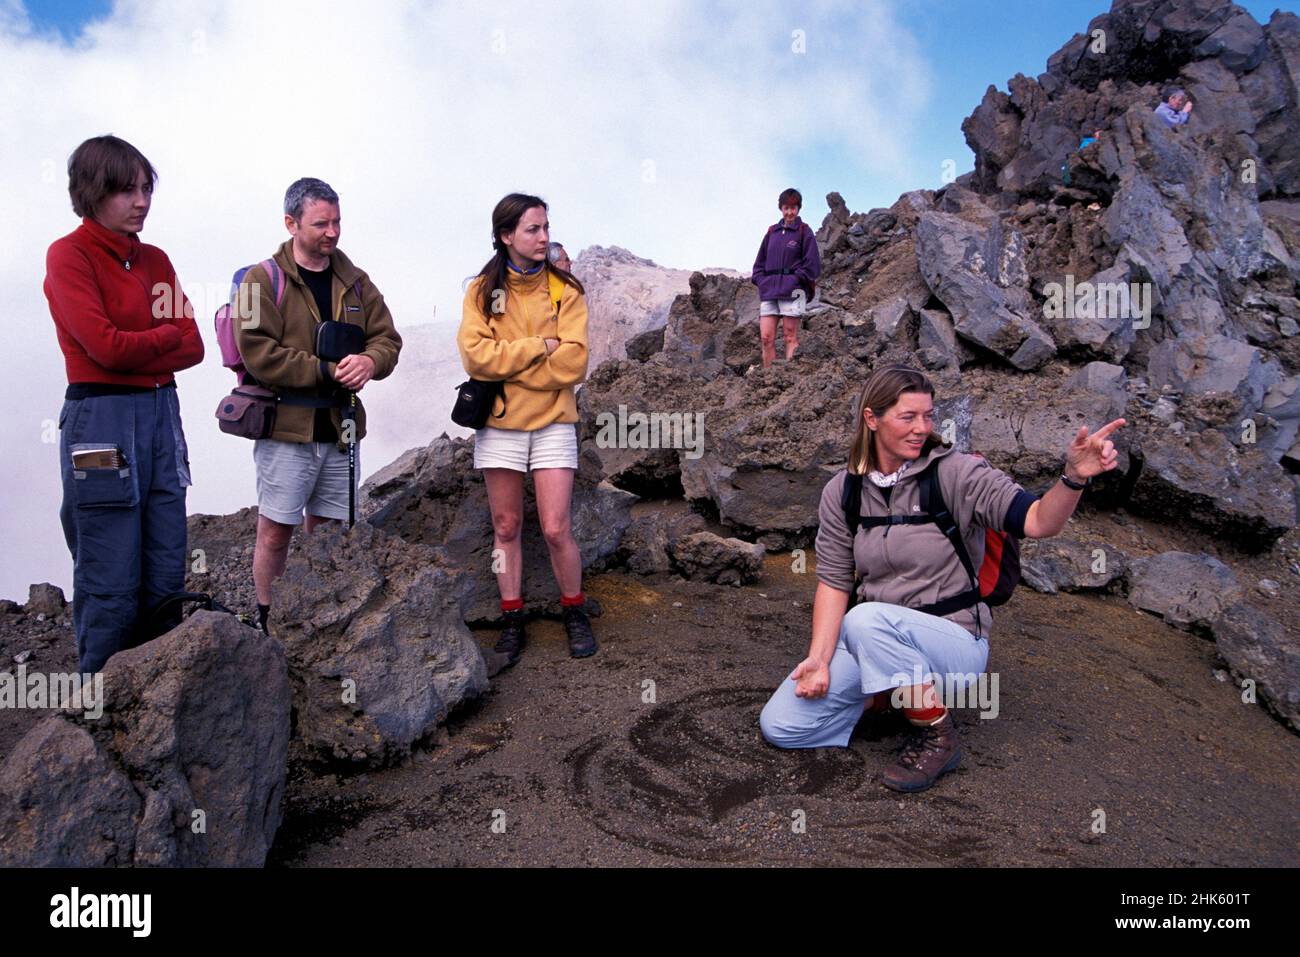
276,275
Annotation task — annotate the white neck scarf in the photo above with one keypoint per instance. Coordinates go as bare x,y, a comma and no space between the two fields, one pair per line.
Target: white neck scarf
880,480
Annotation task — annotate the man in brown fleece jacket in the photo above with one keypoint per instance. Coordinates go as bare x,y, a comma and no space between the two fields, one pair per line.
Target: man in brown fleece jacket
303,466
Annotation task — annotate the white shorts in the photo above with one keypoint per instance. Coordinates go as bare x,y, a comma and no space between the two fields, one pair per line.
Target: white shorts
553,447
293,476
781,307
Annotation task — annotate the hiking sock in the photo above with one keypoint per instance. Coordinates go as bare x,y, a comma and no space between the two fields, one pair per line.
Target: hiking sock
577,600
263,611
512,604
921,717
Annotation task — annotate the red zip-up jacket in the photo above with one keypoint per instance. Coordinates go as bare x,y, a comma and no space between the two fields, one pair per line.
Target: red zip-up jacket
120,314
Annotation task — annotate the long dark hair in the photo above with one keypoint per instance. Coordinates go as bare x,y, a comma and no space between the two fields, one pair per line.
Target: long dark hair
505,219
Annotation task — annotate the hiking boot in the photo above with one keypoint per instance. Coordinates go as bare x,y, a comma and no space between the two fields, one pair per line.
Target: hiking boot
932,752
511,642
582,643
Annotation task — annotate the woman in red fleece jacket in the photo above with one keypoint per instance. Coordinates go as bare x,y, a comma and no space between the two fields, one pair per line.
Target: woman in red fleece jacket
124,327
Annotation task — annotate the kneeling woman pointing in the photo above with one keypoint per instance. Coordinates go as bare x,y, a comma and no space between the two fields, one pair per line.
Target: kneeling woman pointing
920,612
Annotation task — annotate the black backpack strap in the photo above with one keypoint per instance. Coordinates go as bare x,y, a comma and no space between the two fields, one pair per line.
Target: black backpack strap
933,505
851,502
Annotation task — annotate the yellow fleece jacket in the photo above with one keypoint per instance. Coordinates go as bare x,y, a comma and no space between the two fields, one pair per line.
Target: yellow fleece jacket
510,347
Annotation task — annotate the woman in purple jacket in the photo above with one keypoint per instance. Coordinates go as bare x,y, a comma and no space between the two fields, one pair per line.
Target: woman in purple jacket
921,618
785,271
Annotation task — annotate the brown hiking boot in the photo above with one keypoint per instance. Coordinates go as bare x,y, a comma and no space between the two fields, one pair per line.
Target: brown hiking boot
932,752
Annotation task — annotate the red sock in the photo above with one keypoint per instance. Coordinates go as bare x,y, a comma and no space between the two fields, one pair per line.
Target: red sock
512,604
568,600
925,715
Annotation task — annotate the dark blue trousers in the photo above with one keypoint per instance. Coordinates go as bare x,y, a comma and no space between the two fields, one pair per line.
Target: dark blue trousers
125,527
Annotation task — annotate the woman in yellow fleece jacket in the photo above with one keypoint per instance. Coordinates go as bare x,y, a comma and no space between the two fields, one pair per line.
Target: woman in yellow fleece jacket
525,324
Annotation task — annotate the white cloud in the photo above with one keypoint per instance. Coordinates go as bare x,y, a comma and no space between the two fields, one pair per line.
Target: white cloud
664,127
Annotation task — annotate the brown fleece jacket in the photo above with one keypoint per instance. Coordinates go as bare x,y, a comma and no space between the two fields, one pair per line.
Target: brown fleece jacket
278,349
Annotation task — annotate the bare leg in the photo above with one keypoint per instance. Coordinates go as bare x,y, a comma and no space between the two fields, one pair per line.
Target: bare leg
924,696
790,329
269,554
313,521
554,489
767,336
505,490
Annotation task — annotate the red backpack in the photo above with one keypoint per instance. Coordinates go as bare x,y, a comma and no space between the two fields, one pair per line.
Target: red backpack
999,573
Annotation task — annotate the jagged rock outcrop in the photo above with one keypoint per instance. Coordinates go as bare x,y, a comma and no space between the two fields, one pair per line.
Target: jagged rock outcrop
45,599
627,295
185,767
1260,647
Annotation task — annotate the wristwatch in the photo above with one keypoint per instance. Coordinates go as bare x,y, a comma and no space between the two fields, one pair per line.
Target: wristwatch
1077,486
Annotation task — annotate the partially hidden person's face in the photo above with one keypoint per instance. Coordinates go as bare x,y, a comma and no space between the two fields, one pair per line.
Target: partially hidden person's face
125,211
1177,101
789,212
563,262
316,233
902,430
531,236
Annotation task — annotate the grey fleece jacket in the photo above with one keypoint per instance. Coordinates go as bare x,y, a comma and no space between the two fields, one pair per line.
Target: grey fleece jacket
914,565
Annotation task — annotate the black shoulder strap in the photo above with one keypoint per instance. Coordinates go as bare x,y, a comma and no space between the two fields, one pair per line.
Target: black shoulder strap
932,504
851,502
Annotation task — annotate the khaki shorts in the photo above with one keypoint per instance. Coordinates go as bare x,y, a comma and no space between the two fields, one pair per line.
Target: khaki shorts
553,447
781,307
297,476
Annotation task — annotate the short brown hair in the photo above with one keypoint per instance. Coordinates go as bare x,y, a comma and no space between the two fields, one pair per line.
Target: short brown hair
101,166
879,394
790,195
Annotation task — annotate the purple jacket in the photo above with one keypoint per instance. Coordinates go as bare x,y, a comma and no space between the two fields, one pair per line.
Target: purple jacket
781,262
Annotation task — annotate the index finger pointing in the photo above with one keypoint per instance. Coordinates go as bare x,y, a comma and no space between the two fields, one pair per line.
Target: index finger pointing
1108,428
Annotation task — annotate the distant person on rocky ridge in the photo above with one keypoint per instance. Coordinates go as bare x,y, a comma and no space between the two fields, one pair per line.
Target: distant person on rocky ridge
556,255
1177,108
922,613
122,452
785,270
307,468
524,323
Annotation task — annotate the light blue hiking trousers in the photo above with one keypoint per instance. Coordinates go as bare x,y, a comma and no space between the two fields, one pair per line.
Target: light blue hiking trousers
881,647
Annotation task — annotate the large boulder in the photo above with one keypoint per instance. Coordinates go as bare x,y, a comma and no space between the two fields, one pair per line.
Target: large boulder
709,557
1064,564
1188,591
185,767
1259,646
374,633
1202,478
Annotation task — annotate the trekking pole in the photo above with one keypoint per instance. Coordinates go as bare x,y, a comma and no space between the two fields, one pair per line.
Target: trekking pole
352,461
